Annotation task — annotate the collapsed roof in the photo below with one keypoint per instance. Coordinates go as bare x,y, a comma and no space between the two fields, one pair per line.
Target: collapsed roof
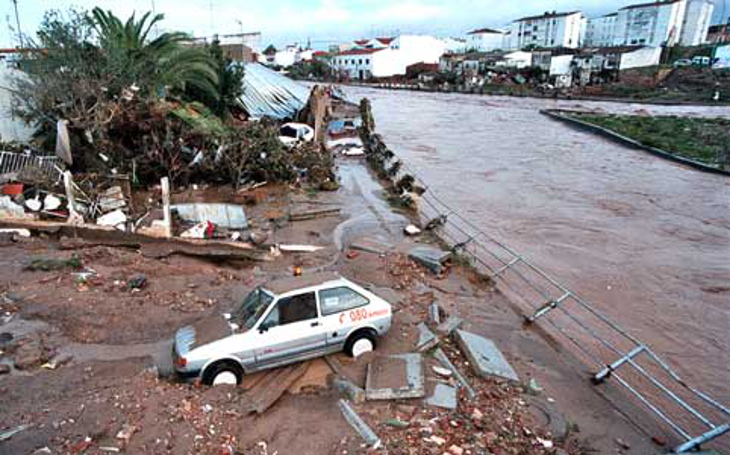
267,93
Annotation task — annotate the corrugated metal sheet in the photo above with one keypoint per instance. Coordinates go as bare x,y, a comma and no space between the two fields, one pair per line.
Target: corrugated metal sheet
267,93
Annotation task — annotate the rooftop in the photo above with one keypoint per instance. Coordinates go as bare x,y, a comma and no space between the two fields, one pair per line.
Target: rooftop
485,30
284,285
651,4
358,52
548,15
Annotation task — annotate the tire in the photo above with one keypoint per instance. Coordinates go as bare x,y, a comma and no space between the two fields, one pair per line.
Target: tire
223,373
360,342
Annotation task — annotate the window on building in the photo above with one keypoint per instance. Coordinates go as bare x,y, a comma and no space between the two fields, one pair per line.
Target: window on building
367,61
359,62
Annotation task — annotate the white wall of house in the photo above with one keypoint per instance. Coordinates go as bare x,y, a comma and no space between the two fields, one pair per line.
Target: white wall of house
650,24
358,65
696,22
722,54
455,45
646,56
285,57
561,65
11,128
485,40
518,59
600,32
548,31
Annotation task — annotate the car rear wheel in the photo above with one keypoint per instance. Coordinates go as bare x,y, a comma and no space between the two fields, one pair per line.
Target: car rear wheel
223,374
359,344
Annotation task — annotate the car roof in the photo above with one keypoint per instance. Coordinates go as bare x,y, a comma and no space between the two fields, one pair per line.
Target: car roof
284,285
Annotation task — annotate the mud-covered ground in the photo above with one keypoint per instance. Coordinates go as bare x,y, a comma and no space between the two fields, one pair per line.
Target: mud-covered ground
92,341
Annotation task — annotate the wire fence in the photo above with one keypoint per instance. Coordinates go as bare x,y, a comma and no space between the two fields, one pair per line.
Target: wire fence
601,343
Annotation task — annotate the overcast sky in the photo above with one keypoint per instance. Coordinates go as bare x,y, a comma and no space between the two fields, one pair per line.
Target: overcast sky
322,21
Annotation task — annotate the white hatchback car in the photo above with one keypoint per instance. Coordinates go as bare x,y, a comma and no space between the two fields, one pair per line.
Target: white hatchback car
282,322
290,134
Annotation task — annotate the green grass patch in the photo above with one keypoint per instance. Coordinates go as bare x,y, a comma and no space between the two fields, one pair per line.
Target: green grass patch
699,139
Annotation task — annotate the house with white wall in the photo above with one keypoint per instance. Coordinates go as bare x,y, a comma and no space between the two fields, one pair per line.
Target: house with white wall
485,40
385,57
696,27
548,30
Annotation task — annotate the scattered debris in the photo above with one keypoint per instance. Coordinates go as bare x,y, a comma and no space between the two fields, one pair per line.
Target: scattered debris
116,219
204,230
434,313
138,281
484,356
259,399
300,248
370,245
440,355
359,425
9,209
350,390
443,372
16,232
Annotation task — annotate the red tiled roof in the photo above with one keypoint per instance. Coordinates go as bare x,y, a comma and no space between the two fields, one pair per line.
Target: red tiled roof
358,52
548,16
361,42
320,54
646,5
385,41
485,30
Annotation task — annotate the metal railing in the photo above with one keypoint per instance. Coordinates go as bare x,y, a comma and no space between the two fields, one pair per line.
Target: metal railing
11,162
599,341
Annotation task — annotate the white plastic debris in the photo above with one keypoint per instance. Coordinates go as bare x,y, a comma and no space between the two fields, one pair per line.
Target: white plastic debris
412,230
51,202
34,204
18,232
9,209
116,219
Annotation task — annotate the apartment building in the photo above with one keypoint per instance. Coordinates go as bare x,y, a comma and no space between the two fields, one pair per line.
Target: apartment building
548,30
600,31
672,22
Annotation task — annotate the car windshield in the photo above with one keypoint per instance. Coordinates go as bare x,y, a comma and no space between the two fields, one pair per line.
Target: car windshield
252,308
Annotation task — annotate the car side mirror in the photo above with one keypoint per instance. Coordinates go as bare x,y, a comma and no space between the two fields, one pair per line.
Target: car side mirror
264,327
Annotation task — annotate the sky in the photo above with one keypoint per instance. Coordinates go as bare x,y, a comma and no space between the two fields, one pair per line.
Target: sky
322,22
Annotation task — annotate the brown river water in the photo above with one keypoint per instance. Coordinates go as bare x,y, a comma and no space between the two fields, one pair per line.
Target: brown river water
645,240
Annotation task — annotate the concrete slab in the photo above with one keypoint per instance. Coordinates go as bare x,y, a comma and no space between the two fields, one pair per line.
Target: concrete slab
434,313
426,338
484,356
431,258
449,325
359,425
444,396
370,245
395,377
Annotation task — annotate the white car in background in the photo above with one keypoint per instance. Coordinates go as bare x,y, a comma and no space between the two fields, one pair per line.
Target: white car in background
282,322
291,134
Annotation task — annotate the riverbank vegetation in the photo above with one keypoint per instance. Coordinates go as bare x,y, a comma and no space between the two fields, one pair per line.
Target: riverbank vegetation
706,140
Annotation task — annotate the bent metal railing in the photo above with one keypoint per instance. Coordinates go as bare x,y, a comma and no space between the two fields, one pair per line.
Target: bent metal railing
615,352
11,162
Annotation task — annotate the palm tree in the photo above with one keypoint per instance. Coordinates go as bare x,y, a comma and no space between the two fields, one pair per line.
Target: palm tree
154,66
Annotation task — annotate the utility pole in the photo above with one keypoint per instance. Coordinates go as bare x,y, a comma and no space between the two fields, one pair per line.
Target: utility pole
17,22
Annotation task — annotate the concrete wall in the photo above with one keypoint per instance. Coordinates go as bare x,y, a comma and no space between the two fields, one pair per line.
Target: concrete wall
11,128
646,56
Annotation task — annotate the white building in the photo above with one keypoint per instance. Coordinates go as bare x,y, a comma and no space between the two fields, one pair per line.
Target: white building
385,57
601,31
547,31
673,22
696,22
485,40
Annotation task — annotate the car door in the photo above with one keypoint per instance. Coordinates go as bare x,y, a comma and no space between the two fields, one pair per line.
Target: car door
342,309
290,331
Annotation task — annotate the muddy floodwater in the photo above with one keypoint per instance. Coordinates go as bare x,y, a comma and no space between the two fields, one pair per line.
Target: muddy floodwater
644,239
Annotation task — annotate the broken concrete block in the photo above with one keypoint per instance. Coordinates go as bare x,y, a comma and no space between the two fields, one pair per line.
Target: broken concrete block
444,396
434,313
116,219
440,355
395,377
449,325
484,356
370,245
426,338
359,425
431,258
349,390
